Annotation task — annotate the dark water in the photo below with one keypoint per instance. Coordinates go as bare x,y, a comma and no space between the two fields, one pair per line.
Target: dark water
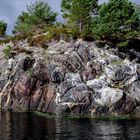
28,126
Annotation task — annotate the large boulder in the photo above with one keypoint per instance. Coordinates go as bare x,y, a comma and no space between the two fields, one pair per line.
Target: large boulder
75,100
74,62
121,76
108,96
83,52
41,72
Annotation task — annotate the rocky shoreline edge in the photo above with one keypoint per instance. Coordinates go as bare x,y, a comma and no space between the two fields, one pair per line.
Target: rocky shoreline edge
76,78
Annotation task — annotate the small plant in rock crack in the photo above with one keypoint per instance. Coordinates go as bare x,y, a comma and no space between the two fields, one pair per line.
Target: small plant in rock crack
29,72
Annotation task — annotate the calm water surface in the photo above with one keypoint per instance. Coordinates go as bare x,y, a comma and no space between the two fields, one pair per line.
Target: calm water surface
28,126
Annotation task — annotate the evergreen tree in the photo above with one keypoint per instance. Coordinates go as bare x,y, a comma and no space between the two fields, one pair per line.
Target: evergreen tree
3,27
78,14
37,17
117,21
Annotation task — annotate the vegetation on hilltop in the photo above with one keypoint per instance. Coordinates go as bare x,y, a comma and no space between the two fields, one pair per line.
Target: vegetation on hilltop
78,15
115,22
35,19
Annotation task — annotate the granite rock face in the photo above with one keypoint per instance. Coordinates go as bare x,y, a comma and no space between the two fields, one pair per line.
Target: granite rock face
74,78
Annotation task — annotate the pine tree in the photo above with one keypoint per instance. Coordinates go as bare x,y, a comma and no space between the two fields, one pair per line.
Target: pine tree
37,17
117,21
78,14
3,27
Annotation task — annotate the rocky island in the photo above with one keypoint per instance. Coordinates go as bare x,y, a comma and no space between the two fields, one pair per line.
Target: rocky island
83,66
69,78
70,70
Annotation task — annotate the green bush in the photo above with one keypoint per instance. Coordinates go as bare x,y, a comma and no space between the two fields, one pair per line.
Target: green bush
61,32
7,51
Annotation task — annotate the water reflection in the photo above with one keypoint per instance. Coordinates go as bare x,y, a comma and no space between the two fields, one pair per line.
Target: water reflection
27,126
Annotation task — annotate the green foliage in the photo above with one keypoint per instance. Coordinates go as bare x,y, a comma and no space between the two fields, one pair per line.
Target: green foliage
122,44
6,39
7,51
35,19
22,36
23,24
117,21
29,72
54,32
78,14
3,27
87,32
60,31
118,63
138,8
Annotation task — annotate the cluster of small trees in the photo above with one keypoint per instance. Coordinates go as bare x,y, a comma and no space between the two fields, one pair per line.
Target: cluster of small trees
116,21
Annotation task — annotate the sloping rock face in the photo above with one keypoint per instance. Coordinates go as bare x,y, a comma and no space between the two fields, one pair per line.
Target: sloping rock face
74,78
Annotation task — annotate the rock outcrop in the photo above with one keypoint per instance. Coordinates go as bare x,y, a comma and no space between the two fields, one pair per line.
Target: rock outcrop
73,78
